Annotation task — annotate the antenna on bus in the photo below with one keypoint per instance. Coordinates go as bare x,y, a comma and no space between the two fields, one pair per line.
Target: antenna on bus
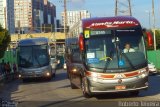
123,7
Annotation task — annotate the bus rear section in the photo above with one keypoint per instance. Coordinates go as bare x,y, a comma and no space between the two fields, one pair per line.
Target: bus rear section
34,59
108,55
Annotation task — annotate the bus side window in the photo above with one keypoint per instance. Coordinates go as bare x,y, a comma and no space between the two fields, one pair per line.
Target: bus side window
75,53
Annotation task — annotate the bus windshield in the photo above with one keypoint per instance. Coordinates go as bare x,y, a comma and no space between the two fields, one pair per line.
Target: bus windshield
118,51
33,56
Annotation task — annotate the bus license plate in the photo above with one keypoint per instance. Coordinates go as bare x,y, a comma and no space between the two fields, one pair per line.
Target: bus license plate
121,87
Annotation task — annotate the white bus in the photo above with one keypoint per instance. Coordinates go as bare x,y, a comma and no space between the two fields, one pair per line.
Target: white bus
34,59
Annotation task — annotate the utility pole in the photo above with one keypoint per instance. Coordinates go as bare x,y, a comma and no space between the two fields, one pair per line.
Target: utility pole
123,7
130,8
116,8
153,14
154,27
65,18
5,18
149,19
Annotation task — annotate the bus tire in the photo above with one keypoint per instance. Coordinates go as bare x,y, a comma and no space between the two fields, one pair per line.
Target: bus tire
85,88
134,93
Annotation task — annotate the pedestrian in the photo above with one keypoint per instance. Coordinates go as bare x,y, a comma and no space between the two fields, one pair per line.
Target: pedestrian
15,71
14,68
3,67
8,71
7,68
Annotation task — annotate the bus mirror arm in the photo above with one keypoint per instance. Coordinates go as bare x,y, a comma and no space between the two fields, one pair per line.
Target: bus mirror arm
81,43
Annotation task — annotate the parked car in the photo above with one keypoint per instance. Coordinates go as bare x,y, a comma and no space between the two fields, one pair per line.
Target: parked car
152,68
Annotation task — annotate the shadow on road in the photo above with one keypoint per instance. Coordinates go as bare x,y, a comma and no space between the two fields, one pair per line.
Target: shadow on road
59,76
154,87
7,89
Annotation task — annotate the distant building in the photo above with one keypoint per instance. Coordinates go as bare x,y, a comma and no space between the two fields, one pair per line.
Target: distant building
34,15
58,24
23,15
7,15
49,16
37,14
75,16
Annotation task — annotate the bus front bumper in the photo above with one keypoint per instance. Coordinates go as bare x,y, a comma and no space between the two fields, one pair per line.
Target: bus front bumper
34,74
129,84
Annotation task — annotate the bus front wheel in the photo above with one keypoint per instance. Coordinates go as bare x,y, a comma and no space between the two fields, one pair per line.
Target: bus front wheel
85,88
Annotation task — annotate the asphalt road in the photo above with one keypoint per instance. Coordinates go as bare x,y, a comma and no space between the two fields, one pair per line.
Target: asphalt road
57,93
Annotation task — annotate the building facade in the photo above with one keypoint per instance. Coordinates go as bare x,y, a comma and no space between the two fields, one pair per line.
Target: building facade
7,15
10,16
23,15
32,15
49,24
75,16
3,13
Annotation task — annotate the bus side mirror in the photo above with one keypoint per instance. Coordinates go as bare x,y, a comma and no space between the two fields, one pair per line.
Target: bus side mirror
149,38
81,42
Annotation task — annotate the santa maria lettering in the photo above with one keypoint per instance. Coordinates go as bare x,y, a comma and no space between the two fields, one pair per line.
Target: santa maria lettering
113,24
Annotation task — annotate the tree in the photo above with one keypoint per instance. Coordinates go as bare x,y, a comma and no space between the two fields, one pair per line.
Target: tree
158,38
4,40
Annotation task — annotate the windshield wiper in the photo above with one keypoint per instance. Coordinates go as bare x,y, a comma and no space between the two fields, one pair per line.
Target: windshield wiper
106,65
108,61
128,60
38,61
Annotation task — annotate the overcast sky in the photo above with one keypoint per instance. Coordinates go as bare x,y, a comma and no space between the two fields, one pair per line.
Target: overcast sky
106,8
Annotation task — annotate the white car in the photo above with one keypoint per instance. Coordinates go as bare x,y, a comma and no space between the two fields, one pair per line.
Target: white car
152,68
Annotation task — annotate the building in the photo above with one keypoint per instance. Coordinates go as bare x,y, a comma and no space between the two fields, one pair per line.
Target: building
49,24
75,16
31,15
7,15
10,16
23,15
37,14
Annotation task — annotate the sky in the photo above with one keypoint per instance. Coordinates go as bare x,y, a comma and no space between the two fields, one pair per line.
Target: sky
106,8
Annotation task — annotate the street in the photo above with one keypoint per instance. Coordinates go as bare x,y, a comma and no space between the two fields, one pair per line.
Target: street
57,92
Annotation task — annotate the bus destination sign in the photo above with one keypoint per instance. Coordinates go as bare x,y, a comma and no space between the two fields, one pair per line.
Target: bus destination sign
100,32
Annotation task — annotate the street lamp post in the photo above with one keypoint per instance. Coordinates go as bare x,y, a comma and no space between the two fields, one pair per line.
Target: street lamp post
149,18
65,18
154,26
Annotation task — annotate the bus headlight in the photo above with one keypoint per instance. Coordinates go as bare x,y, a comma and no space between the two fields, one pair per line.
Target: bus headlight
19,75
94,77
143,73
48,74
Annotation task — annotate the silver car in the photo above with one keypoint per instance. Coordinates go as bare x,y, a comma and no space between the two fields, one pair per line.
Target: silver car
152,68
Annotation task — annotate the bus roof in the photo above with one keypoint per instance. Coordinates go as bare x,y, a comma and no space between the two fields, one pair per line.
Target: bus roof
33,41
110,22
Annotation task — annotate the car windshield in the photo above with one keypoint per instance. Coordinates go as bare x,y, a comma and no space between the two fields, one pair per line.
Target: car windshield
33,56
107,51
